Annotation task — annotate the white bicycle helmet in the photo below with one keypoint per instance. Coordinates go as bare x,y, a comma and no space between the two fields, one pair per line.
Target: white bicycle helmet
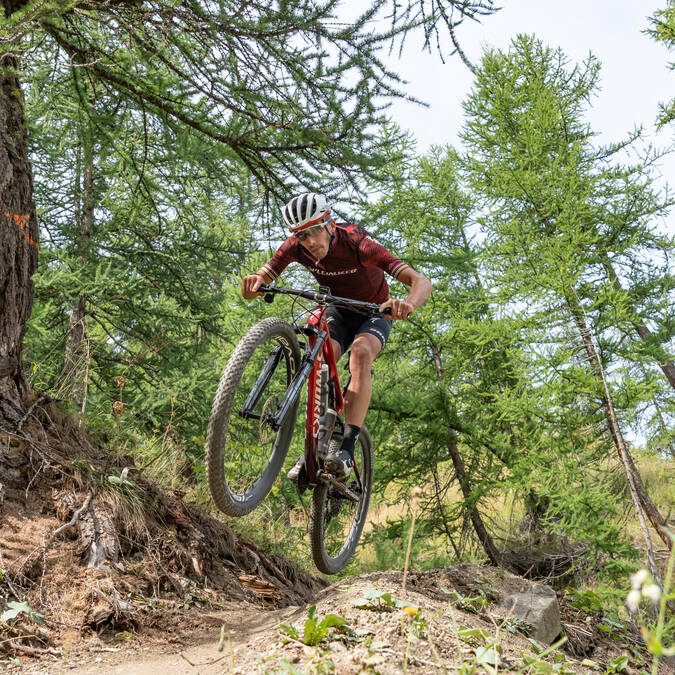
304,211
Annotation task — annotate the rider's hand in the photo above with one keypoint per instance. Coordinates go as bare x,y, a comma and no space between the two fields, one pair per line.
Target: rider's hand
400,309
250,284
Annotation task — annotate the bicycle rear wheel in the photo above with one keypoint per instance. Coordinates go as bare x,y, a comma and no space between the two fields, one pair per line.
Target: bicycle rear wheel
244,454
336,522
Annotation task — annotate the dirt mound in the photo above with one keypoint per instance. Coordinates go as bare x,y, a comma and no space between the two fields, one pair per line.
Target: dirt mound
367,624
90,545
445,621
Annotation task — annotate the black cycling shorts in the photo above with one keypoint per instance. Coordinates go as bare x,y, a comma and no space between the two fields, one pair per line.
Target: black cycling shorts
344,326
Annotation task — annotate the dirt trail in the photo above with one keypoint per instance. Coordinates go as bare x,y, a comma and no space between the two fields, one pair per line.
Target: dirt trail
189,653
379,636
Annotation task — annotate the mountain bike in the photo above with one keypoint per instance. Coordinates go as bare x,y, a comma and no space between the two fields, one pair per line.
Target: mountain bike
254,416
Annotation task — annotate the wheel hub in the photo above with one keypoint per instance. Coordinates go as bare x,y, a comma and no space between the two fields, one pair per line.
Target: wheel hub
266,431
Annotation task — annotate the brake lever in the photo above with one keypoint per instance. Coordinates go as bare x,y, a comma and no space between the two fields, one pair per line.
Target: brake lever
267,290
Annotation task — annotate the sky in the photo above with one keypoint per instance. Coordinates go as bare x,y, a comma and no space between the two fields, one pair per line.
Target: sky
634,76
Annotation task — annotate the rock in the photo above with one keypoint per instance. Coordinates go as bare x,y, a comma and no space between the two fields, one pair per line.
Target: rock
336,646
537,606
510,595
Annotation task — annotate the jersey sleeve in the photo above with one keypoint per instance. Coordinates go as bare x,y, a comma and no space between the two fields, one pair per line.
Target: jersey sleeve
373,254
286,254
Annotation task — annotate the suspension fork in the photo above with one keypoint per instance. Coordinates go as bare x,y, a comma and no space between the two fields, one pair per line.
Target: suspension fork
263,380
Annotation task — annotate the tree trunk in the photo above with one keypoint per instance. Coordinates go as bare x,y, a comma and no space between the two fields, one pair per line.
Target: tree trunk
637,489
490,549
18,234
481,532
71,381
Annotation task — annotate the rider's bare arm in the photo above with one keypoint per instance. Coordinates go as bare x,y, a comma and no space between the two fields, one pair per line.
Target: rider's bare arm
420,290
251,282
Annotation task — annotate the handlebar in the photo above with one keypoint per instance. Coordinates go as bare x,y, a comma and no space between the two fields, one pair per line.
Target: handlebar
368,308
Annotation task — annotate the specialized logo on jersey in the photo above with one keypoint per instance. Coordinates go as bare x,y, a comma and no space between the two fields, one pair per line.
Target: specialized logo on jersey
316,270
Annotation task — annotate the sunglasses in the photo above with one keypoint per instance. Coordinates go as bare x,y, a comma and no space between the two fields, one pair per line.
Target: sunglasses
313,231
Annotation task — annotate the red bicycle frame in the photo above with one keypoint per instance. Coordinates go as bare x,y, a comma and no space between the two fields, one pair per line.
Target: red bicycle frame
317,319
321,355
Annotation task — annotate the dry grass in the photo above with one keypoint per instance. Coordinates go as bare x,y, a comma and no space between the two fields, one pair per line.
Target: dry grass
504,515
658,475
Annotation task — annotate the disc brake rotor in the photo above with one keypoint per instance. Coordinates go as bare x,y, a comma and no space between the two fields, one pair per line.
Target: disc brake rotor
265,429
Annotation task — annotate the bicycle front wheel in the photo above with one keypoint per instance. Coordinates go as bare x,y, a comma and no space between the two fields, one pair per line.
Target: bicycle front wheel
336,522
244,453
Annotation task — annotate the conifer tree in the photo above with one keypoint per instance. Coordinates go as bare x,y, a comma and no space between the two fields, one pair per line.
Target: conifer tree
460,399
287,90
559,215
143,227
663,30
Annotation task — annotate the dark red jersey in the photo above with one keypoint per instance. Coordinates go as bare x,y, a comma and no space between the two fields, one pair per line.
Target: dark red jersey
354,267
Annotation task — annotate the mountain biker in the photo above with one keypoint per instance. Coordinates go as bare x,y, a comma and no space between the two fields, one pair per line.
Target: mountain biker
344,258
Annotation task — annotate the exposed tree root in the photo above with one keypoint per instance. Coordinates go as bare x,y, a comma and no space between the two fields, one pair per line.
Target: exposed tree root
92,553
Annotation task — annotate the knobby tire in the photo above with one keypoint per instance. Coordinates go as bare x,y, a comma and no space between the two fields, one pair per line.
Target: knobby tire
328,558
224,420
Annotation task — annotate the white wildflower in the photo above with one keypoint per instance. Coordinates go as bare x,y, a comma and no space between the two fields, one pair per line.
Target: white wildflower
653,592
633,600
637,579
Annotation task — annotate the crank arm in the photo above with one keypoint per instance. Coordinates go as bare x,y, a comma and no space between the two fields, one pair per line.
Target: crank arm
329,479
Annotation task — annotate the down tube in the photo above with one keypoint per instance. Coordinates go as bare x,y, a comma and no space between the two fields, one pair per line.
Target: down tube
316,319
312,417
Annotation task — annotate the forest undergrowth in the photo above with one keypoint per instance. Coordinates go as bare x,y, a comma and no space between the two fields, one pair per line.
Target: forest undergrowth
91,545
280,526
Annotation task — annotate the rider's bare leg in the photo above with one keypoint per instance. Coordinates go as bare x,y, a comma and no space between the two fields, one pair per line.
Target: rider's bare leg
357,397
340,460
